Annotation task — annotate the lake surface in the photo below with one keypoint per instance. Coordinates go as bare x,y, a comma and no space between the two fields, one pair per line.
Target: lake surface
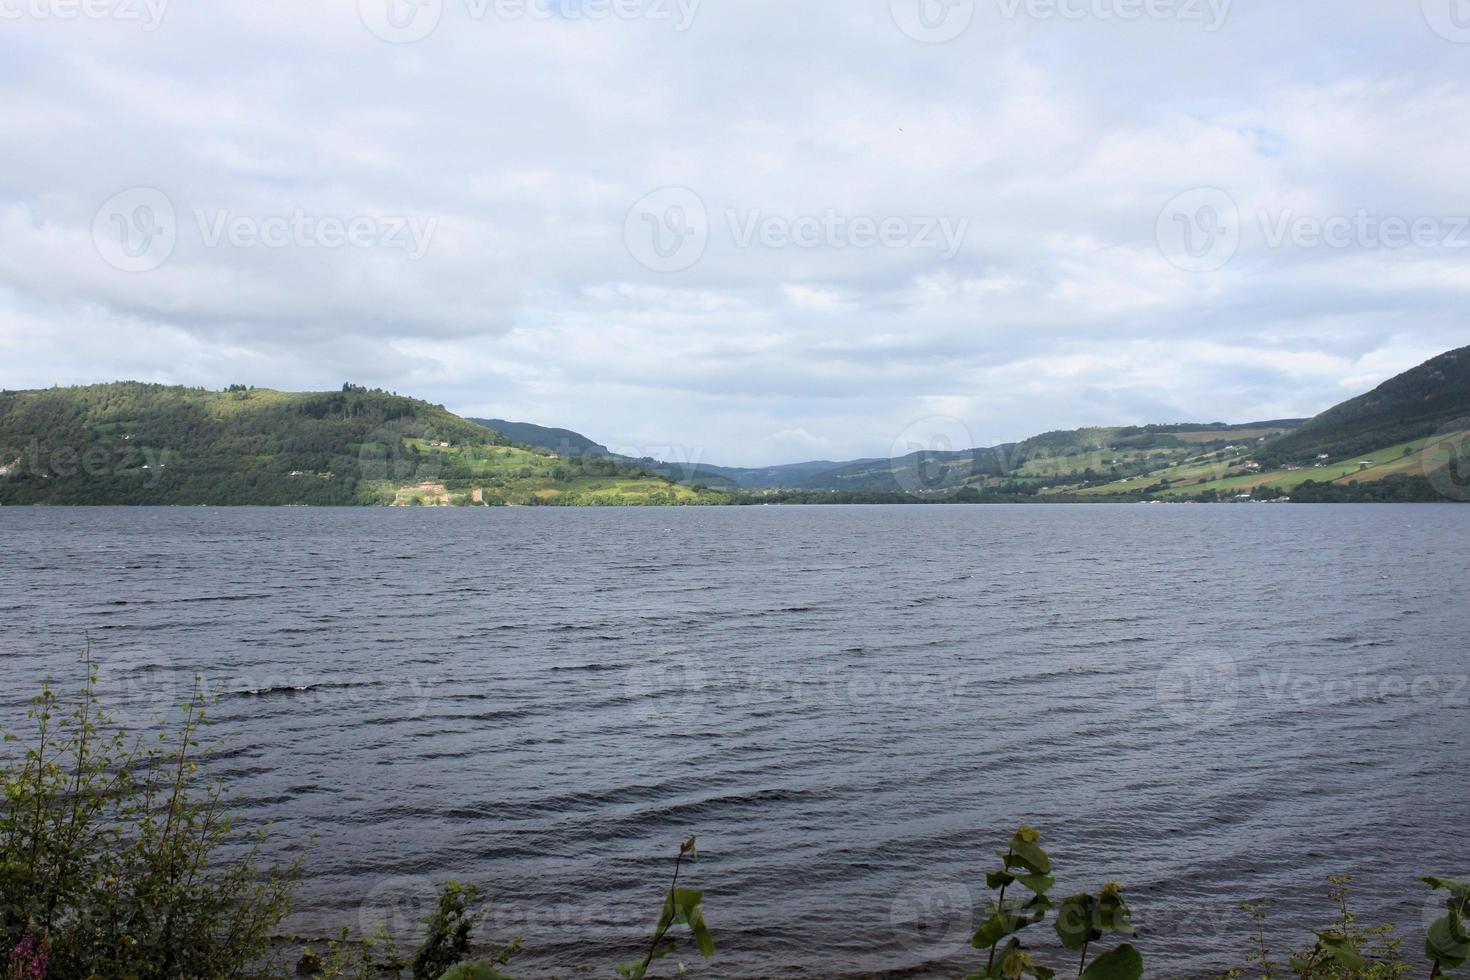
852,707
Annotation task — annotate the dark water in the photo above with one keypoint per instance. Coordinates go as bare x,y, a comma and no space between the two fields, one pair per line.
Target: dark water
851,706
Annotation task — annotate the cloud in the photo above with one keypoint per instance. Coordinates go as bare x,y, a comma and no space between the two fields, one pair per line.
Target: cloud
870,231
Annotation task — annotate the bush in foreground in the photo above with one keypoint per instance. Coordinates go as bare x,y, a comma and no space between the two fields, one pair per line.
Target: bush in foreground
110,853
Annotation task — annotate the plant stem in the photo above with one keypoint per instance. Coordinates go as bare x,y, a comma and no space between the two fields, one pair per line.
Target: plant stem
1082,962
659,935
42,710
74,828
1000,908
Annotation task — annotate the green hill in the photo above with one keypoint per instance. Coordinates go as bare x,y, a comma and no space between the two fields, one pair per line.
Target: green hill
1401,441
563,442
1065,459
1413,405
133,443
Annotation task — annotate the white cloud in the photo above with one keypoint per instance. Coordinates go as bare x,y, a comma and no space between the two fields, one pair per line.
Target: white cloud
526,142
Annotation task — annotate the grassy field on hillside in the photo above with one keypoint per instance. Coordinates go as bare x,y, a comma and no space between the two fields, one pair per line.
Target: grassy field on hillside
1222,471
1238,435
493,476
1409,457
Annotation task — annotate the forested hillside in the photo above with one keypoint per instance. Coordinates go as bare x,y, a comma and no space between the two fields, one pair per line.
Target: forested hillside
563,442
1413,405
132,443
144,443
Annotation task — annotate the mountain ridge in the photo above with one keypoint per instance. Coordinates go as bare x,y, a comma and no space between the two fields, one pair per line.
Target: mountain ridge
143,443
567,442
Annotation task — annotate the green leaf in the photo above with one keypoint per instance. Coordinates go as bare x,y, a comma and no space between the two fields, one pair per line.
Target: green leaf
702,937
1083,919
1017,963
1074,922
681,907
1030,856
685,902
665,917
1015,916
1460,889
1024,907
1446,943
1123,963
998,879
1040,884
1113,914
1342,950
992,931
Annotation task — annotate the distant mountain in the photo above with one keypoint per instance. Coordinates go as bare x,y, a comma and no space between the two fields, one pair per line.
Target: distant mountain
563,442
789,475
1076,456
132,443
1412,405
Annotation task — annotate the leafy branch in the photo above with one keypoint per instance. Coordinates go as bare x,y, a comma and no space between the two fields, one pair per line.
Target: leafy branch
1081,920
681,907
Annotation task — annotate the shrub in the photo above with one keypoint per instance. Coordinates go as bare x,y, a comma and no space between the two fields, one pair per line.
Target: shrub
445,948
1082,920
110,852
447,942
349,960
1348,951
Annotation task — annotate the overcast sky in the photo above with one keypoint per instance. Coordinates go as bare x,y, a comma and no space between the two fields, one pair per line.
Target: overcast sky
741,231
